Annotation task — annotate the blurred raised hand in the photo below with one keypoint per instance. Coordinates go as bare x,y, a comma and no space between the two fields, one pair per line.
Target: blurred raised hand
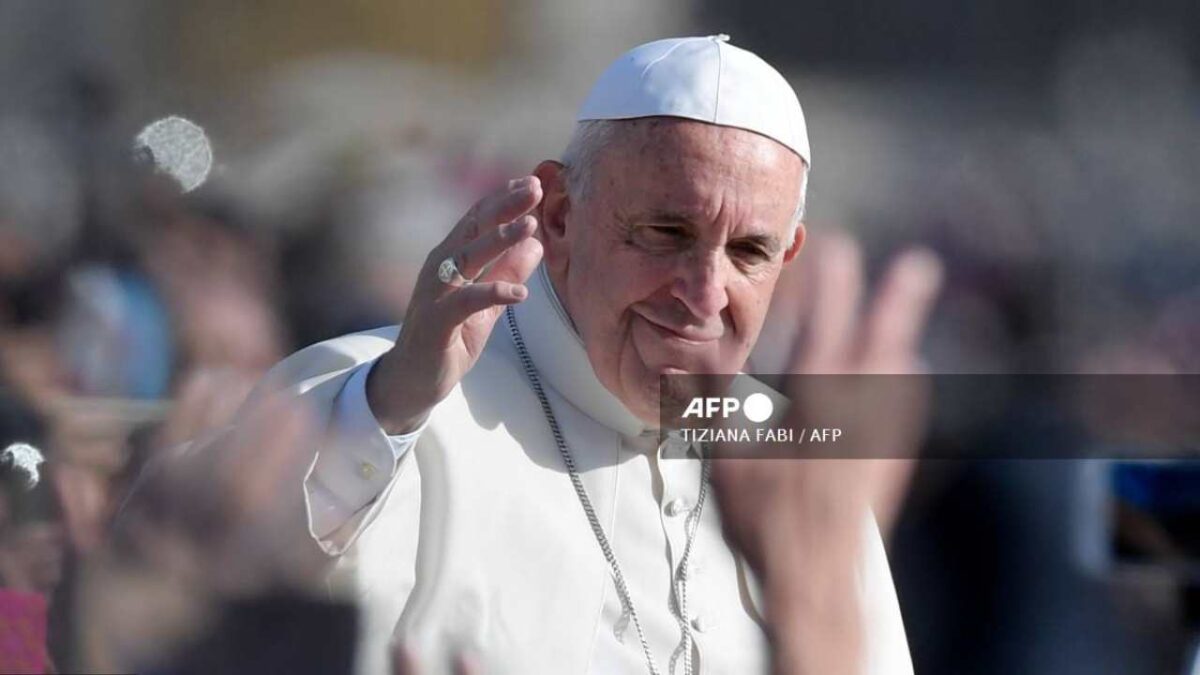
207,398
220,518
800,521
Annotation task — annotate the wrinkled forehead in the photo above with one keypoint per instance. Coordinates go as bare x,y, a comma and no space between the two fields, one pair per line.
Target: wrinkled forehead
692,166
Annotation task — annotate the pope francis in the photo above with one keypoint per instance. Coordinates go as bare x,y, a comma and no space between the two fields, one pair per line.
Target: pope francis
498,485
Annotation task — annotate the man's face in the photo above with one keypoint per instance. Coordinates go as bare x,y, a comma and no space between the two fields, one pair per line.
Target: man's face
668,264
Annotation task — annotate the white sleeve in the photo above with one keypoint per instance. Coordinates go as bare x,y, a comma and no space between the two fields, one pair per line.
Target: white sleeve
352,471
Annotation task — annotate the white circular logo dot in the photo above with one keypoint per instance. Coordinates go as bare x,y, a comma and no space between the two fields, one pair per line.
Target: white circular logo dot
758,407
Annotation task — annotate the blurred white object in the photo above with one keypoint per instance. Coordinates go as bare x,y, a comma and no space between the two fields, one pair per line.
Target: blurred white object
179,148
700,78
25,458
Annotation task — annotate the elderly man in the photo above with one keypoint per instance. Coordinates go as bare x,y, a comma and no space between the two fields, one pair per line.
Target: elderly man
498,485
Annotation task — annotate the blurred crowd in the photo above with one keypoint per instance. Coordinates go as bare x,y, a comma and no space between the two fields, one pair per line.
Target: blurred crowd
135,315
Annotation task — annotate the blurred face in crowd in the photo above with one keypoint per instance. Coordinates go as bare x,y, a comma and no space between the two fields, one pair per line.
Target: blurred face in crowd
667,256
31,556
43,547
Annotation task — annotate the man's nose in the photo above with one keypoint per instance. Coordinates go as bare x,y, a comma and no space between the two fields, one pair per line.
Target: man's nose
701,286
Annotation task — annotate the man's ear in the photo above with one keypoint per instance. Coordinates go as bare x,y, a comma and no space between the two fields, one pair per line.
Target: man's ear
797,243
552,212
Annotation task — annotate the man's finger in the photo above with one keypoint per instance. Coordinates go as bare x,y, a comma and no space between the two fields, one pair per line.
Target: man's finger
901,308
837,289
476,255
517,263
470,300
505,205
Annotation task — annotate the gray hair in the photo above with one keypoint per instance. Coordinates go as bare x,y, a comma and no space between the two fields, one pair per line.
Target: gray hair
591,137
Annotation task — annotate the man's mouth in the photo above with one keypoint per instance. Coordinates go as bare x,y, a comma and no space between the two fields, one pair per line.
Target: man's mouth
687,334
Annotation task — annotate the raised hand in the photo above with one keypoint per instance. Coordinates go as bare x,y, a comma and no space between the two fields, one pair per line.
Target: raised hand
800,522
450,318
203,526
834,334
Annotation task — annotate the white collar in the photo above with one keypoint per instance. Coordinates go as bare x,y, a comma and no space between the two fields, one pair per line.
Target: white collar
562,361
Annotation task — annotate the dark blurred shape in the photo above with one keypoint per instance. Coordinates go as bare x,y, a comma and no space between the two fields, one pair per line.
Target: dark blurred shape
1000,37
271,634
989,583
1158,516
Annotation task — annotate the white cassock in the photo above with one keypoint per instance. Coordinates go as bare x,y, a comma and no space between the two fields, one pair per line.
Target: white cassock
468,534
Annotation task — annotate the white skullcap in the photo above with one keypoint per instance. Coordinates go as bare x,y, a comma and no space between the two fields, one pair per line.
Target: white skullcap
700,78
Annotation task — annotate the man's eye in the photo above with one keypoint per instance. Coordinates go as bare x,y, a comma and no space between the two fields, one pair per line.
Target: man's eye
661,235
750,253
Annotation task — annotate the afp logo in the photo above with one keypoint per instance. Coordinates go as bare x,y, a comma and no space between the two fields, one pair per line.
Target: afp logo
757,407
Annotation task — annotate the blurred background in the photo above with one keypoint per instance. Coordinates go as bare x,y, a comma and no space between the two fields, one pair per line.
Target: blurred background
1046,150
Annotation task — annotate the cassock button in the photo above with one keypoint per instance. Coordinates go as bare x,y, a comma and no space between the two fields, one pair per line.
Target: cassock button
366,470
673,449
701,624
677,507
